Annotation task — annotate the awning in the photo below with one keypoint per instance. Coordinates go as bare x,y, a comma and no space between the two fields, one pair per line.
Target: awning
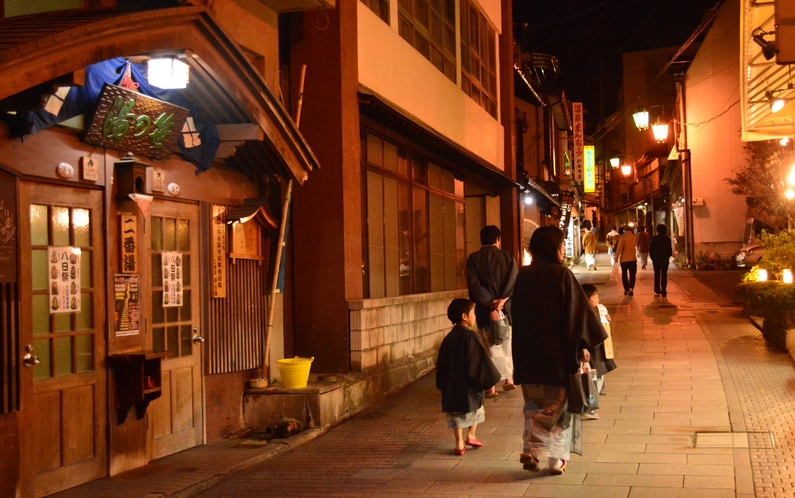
36,51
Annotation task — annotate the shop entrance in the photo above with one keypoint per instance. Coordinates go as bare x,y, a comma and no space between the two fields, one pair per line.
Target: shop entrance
62,318
177,421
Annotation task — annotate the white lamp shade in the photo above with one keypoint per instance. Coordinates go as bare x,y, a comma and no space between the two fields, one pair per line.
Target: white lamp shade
615,162
167,73
641,119
776,105
762,275
787,277
660,131
626,170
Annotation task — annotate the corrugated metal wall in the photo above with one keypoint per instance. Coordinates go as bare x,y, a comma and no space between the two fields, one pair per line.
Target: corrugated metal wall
9,355
237,322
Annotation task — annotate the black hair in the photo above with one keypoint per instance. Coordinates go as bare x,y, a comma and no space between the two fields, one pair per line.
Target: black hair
589,290
641,229
661,229
545,243
459,306
489,235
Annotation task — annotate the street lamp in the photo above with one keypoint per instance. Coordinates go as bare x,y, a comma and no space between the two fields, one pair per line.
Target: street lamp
626,170
660,131
641,118
615,162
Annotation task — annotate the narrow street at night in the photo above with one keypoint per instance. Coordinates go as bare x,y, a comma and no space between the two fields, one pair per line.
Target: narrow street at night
699,406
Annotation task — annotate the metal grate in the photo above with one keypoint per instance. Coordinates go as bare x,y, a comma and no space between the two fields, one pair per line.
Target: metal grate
9,358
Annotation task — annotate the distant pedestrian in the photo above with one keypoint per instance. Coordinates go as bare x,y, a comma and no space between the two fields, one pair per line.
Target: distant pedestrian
612,240
491,273
660,251
643,246
554,325
463,371
589,246
625,254
601,355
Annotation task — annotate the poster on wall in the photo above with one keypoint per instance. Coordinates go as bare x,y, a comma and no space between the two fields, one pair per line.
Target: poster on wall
126,315
8,228
64,279
172,279
218,251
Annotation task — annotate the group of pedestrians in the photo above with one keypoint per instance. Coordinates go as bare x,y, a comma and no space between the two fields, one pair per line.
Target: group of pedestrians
556,328
626,248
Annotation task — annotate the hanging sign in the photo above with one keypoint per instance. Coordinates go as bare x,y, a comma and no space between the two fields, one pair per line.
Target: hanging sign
133,122
579,141
172,279
64,279
8,228
128,225
127,314
218,251
589,182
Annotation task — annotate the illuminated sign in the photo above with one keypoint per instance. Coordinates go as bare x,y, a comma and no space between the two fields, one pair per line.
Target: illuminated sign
590,169
579,141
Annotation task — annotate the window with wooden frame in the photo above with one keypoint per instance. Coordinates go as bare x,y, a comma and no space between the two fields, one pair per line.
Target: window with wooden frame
478,57
414,241
429,26
380,7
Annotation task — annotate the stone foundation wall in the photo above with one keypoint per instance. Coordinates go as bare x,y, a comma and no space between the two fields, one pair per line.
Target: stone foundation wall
397,332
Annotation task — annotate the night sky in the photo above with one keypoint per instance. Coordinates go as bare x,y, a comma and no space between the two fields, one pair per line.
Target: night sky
586,35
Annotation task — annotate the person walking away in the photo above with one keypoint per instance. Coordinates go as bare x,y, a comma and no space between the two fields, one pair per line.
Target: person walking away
463,371
554,325
612,239
491,273
643,246
601,355
625,255
660,251
589,246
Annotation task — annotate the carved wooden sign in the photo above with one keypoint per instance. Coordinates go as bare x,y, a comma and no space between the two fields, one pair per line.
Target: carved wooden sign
133,122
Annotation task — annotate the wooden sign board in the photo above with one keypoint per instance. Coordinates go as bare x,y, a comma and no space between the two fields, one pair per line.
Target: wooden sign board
128,243
8,228
133,122
218,250
246,241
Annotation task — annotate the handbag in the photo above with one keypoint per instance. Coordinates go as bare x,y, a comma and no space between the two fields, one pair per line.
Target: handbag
498,328
583,395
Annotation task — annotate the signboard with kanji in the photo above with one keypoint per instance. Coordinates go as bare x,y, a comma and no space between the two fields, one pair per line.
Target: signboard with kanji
579,141
589,182
64,263
126,314
133,122
218,251
172,278
128,246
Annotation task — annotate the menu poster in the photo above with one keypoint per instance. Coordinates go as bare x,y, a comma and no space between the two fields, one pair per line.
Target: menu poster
127,314
64,263
172,279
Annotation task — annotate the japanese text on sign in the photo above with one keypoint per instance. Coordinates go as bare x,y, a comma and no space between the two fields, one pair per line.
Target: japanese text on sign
579,140
171,262
126,314
129,243
589,182
218,251
64,264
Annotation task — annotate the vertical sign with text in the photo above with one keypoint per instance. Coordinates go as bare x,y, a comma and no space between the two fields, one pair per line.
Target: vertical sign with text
172,278
218,251
579,141
589,183
127,315
64,279
128,226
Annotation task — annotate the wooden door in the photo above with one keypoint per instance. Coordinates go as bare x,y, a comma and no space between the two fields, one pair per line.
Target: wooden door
63,412
177,421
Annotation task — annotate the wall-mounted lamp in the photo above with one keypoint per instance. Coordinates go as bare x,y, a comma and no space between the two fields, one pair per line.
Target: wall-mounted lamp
615,162
769,48
528,199
776,104
626,169
641,118
168,73
660,131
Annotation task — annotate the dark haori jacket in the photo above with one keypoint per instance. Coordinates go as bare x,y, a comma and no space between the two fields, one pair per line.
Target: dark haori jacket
491,273
463,371
660,250
600,361
552,322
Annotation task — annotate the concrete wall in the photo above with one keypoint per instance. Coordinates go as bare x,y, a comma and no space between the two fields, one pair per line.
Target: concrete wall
398,332
396,71
712,89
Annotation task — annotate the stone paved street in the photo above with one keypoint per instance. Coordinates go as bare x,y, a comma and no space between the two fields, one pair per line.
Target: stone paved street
698,407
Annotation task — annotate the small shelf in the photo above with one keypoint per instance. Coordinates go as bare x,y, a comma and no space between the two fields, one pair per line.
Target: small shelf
138,380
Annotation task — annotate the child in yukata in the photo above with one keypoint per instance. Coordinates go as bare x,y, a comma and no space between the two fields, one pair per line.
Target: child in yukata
601,355
464,371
